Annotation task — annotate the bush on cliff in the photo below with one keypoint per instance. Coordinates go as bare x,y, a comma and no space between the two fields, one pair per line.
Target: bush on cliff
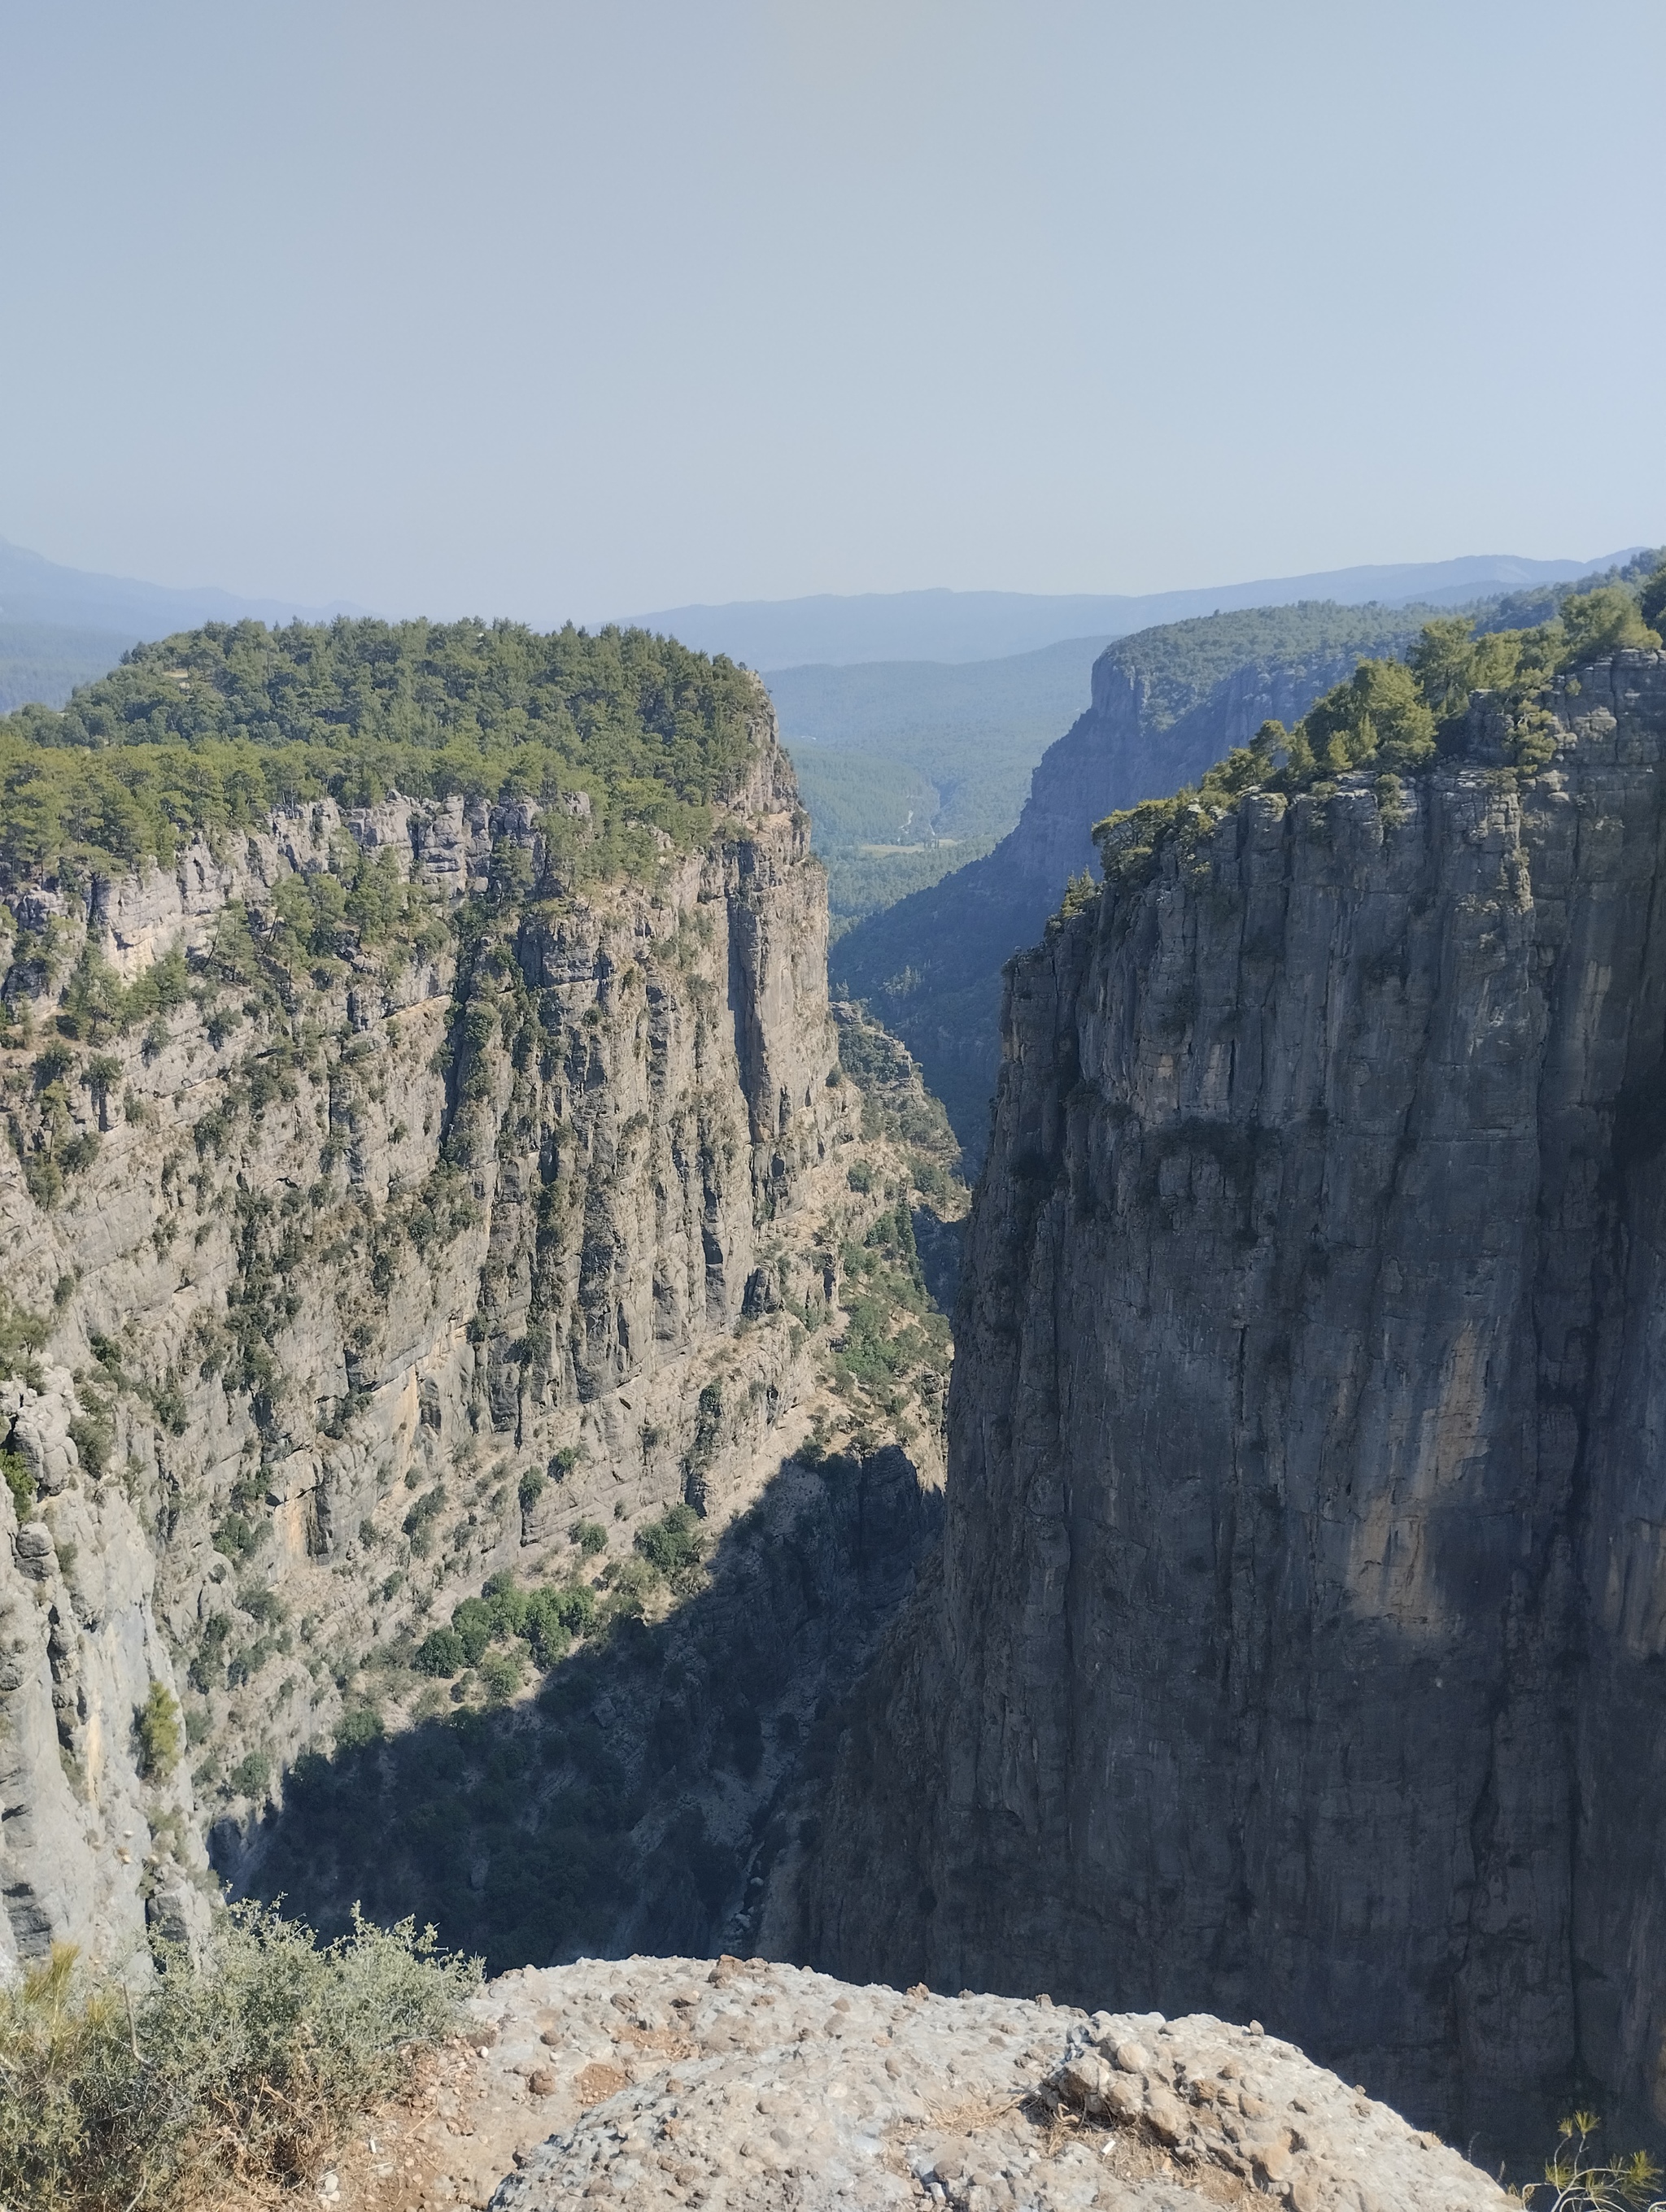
545,1620
1394,716
244,2071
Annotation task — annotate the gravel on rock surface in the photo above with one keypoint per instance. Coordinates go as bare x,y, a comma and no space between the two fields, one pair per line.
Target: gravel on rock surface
742,2085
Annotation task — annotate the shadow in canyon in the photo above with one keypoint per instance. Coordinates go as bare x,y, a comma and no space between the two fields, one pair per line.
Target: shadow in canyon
637,1801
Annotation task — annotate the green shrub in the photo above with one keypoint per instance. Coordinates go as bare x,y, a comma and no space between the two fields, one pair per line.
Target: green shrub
157,1722
531,1488
509,1603
238,1536
590,1536
441,1652
362,1725
630,1583
250,1775
500,1672
545,1627
19,1481
22,1334
474,1623
93,1434
673,1545
430,1505
169,1402
242,2073
575,1608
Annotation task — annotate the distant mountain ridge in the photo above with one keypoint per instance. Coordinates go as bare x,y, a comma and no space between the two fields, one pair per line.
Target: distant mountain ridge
35,590
944,625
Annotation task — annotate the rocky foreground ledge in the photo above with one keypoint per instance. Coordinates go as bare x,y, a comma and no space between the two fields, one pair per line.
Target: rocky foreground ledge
742,2085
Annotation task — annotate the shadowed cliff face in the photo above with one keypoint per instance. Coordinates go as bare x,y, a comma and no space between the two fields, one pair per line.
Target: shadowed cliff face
639,1803
1302,1629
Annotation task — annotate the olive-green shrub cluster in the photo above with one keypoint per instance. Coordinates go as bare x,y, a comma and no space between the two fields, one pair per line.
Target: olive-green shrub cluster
545,1620
208,730
1392,716
243,2071
667,1554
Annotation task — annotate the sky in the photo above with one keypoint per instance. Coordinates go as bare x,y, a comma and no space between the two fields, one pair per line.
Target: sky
548,310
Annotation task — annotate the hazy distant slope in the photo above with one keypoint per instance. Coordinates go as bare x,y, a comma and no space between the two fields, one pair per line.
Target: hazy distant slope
771,634
932,755
35,590
45,661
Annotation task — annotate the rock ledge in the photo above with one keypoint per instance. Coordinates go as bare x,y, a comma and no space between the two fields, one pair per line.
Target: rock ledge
743,2085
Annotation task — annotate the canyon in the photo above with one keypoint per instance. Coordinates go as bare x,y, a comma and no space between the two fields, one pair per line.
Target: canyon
477,1415
1165,705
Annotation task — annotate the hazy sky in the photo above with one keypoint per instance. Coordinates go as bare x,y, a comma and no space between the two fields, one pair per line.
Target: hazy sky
547,309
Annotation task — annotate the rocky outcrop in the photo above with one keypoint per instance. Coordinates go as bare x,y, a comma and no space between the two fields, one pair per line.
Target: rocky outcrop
336,1284
1298,1643
759,2086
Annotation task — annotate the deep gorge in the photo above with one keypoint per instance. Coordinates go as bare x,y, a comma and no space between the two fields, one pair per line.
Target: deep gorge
475,1439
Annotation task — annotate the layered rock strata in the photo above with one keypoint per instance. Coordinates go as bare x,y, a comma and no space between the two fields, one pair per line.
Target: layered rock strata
1300,1636
332,1290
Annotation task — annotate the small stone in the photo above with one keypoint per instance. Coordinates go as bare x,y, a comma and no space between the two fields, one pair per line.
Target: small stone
1084,2080
1124,2099
1167,2121
542,2083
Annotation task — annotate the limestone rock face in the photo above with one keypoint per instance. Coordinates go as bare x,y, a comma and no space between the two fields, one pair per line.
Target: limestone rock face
361,1279
931,966
1297,1645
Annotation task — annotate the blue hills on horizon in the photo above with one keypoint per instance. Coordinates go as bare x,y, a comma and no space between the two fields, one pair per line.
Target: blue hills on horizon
824,629
832,630
34,589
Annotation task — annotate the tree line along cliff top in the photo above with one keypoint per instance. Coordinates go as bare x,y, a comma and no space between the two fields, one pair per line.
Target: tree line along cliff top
206,731
1399,716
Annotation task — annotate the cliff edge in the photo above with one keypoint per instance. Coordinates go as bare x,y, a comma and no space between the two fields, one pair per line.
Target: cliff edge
1298,1643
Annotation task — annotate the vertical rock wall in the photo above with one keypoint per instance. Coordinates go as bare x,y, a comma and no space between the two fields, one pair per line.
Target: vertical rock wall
359,1281
1298,1647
